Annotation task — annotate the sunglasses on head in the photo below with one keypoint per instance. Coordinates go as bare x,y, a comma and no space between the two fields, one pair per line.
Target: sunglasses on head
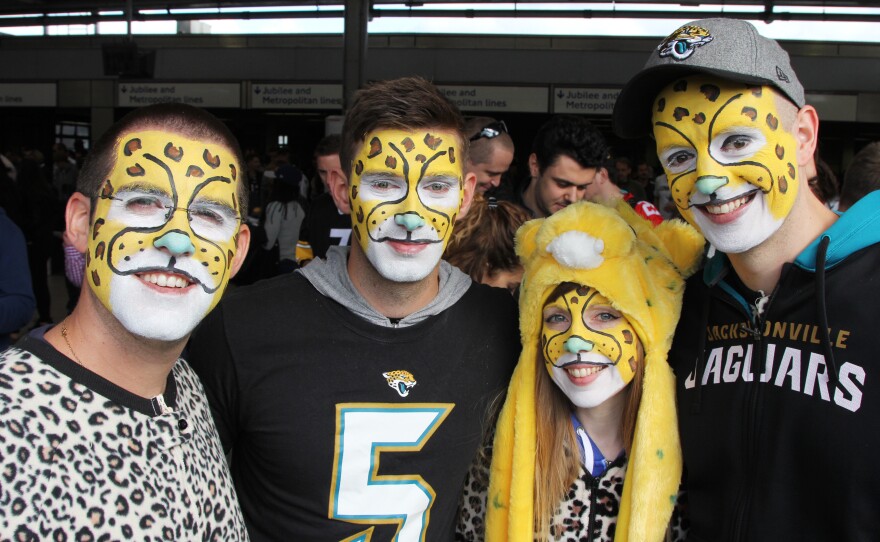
491,130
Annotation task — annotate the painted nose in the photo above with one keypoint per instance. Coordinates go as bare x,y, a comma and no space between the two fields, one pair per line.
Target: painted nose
176,243
709,184
410,221
576,344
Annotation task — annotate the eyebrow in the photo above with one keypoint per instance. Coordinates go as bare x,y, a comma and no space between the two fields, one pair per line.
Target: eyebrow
383,176
214,201
441,177
146,188
566,181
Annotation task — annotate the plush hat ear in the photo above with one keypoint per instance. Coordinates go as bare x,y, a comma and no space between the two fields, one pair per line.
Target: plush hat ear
524,242
683,244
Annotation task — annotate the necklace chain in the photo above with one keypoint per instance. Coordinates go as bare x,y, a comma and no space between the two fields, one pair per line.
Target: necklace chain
67,340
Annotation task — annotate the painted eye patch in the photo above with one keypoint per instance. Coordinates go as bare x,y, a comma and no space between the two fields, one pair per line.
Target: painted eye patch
440,188
737,144
556,318
678,159
728,147
382,187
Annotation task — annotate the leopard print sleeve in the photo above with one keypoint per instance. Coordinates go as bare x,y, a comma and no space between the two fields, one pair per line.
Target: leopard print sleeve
679,524
470,526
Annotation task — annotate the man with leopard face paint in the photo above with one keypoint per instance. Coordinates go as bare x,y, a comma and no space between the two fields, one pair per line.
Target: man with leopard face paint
352,392
774,349
125,442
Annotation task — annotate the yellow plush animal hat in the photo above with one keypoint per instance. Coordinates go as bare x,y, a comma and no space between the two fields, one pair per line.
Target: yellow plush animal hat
641,270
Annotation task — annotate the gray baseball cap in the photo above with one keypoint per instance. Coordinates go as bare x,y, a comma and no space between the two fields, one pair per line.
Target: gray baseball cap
728,48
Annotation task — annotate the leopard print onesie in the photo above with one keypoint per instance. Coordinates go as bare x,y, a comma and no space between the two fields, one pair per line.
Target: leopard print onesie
82,459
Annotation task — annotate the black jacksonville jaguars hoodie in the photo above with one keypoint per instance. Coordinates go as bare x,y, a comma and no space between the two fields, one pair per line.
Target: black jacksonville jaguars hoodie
780,409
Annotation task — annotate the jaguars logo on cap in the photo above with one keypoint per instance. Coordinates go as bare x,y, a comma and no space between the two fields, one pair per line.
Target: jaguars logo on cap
682,43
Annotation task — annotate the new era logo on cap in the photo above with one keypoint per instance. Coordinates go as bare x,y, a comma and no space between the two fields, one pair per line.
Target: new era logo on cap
781,75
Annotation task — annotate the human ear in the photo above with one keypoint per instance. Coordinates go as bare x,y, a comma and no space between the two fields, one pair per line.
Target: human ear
338,186
806,134
533,165
470,184
78,221
242,242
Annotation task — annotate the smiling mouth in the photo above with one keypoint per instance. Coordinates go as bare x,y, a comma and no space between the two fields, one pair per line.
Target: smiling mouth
581,372
728,206
166,280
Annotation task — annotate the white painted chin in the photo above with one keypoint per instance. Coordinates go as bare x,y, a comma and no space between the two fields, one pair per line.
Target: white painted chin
755,225
154,315
404,267
607,385
398,267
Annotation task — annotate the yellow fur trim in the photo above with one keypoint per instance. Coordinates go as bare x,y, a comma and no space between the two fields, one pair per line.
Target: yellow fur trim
641,270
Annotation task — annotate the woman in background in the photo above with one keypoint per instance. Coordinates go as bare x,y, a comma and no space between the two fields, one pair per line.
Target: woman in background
482,243
284,217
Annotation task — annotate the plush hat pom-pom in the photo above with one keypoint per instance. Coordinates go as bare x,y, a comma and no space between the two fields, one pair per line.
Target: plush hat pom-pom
578,250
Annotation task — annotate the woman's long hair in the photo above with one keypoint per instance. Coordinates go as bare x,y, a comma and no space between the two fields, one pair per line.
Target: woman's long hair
482,241
557,457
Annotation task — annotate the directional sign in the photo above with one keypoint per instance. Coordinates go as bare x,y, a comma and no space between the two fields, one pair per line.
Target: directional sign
586,101
28,95
502,99
200,94
283,96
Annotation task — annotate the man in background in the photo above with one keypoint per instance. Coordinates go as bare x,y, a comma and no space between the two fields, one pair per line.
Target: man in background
862,176
325,224
490,153
567,154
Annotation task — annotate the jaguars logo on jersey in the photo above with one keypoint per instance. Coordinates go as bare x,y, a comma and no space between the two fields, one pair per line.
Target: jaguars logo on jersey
401,381
682,43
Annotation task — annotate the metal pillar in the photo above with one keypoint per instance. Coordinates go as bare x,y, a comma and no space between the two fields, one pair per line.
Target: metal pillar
354,47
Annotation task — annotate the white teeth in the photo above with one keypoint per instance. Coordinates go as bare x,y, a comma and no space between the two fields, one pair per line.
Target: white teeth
726,207
581,372
168,281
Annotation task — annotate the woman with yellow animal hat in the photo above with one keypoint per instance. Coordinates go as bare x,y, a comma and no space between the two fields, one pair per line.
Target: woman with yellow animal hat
586,445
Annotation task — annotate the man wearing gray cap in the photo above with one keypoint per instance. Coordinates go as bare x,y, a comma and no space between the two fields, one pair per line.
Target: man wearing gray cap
775,344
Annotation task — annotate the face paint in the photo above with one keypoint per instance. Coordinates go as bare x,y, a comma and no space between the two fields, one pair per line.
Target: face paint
406,190
731,165
589,348
164,233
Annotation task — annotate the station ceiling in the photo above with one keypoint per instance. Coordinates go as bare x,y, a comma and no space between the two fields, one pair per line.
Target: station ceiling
46,12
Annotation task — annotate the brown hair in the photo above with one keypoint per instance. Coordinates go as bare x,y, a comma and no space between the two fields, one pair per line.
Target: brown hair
557,460
186,120
328,146
482,241
862,176
403,104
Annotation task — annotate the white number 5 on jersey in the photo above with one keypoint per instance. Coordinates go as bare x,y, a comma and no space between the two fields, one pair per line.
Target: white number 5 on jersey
358,494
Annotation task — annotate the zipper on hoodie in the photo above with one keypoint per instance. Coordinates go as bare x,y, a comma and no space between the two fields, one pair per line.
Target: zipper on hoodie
757,318
594,489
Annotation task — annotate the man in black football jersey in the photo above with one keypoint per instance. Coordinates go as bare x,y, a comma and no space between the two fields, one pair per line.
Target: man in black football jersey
325,224
352,393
